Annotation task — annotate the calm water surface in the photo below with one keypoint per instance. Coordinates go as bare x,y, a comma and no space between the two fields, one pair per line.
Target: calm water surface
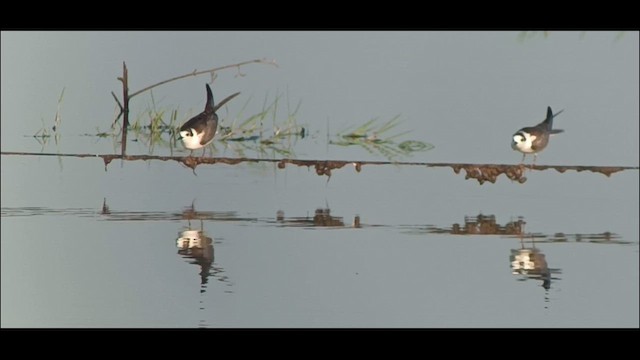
150,244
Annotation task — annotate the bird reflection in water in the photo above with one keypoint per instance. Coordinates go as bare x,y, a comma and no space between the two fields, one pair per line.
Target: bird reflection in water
196,246
531,263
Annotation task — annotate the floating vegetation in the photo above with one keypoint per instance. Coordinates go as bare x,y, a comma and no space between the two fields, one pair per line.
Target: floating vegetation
150,127
269,132
252,133
43,134
374,139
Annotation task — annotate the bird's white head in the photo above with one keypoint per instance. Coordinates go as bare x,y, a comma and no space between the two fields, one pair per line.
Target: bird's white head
523,142
191,139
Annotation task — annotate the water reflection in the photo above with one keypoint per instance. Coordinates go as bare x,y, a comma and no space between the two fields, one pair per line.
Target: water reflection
197,248
322,218
481,225
487,225
602,238
531,263
105,207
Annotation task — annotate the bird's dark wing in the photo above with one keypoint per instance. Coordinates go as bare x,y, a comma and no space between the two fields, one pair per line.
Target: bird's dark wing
197,122
210,129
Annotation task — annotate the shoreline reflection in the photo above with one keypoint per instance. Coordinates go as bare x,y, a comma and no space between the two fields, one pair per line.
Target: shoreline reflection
323,218
481,225
487,225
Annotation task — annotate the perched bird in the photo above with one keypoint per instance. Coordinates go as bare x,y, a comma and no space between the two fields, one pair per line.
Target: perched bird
199,131
532,140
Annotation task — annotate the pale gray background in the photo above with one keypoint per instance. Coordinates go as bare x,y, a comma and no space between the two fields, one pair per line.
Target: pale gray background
464,92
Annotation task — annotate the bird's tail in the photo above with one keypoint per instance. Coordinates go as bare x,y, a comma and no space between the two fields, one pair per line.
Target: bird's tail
550,116
225,101
209,107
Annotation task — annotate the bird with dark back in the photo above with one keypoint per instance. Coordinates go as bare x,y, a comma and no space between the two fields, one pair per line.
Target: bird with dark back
533,139
199,131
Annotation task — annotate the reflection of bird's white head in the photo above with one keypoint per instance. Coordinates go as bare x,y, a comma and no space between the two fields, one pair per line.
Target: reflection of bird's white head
189,239
523,141
191,139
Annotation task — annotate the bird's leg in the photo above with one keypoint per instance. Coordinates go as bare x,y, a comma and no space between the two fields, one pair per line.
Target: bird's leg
203,150
535,156
523,166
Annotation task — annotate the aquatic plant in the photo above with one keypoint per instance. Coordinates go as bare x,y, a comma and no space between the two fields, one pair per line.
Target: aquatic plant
374,139
43,134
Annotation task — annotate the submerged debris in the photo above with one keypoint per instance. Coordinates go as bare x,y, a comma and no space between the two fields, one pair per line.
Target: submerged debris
490,172
480,172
